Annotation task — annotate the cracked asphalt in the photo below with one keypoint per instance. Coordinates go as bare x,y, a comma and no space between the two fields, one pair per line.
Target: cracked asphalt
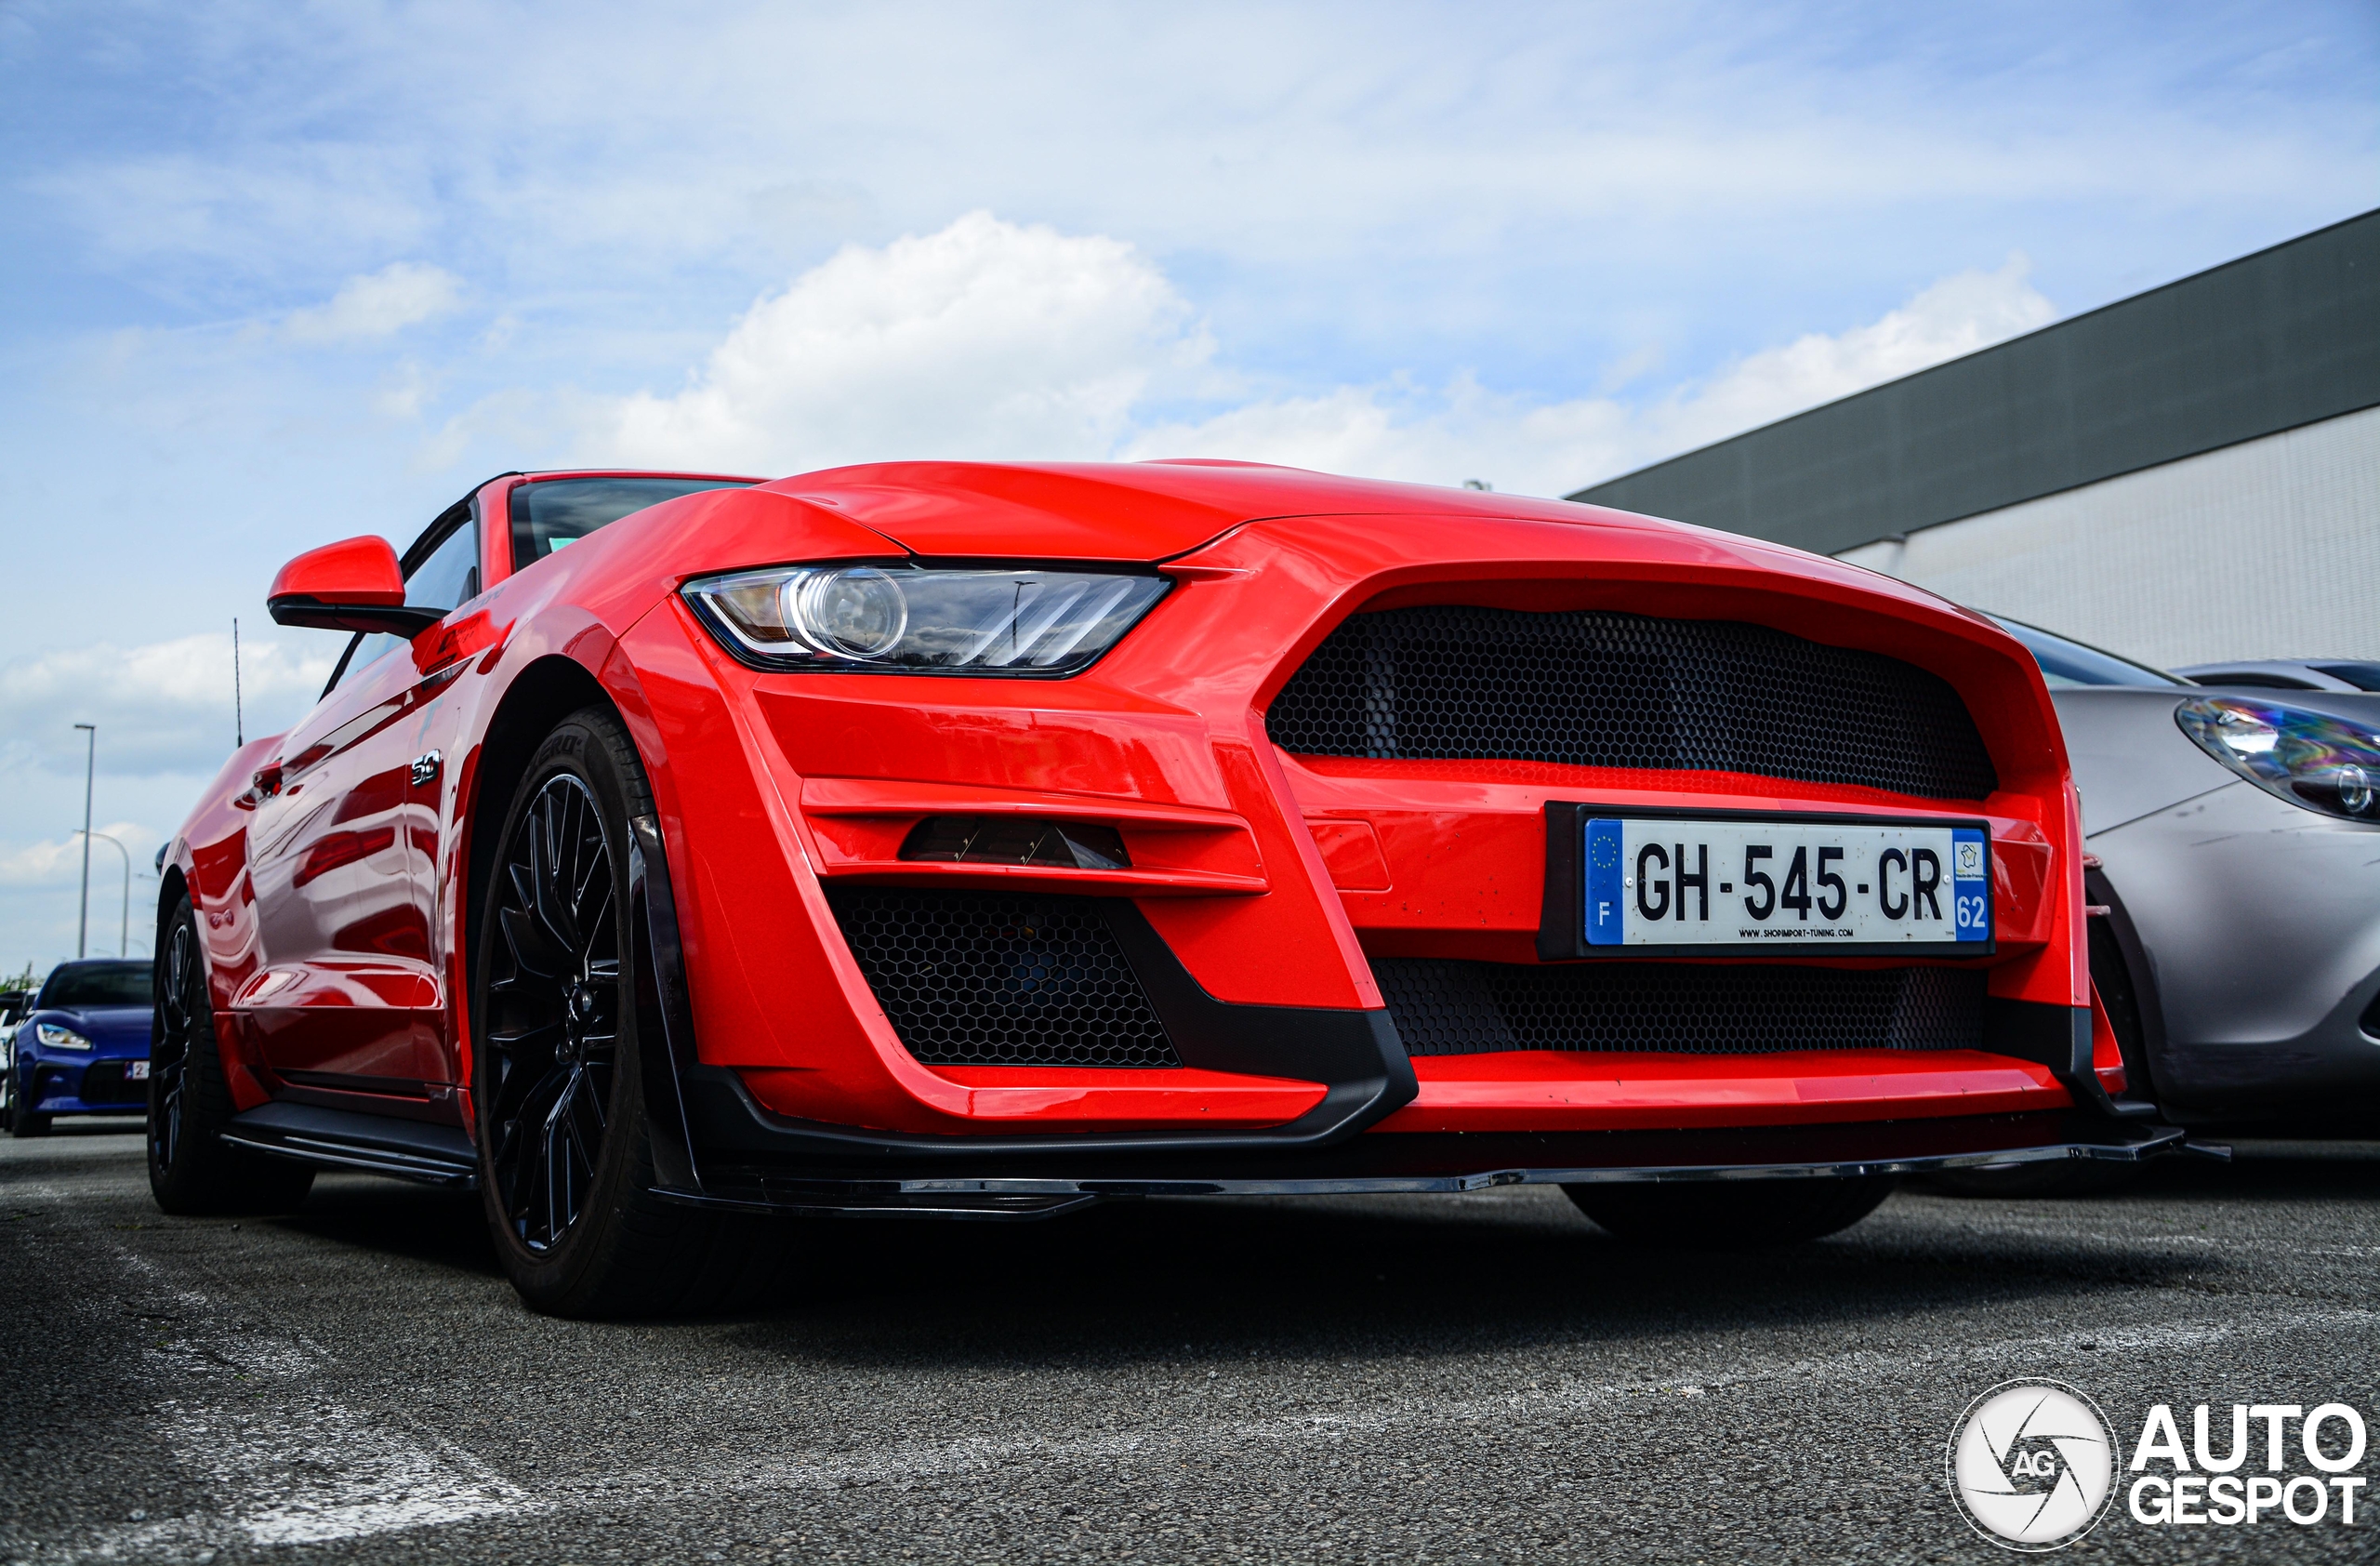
1414,1379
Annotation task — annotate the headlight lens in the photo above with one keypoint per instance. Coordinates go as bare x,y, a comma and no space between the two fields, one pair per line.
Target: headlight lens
57,1037
2311,758
921,621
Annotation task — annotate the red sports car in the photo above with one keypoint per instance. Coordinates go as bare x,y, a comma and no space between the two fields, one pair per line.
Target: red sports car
987,840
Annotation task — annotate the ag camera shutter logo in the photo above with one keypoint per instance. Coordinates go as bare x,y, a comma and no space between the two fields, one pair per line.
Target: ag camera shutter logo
2033,1464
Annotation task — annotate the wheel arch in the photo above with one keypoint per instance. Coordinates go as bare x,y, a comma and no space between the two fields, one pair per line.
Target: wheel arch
542,695
2114,934
545,692
171,889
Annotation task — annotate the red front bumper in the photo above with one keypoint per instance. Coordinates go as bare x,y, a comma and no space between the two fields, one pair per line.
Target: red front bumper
1273,879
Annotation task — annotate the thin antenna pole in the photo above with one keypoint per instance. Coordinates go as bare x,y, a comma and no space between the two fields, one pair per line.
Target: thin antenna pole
239,719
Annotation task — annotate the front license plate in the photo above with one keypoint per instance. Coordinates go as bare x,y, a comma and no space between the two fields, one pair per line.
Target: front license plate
135,1071
1685,882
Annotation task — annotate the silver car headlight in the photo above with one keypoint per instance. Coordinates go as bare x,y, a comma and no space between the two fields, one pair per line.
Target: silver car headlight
54,1037
909,619
2310,759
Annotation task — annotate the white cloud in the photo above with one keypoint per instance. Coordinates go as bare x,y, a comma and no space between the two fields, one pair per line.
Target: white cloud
405,391
994,339
1462,432
378,304
988,338
1956,315
1395,430
165,707
60,862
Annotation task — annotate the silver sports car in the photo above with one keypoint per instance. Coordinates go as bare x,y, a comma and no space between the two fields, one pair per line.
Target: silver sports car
2289,674
2237,836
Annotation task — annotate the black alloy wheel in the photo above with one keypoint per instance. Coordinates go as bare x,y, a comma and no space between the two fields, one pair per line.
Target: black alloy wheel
191,1170
555,1003
565,1152
181,989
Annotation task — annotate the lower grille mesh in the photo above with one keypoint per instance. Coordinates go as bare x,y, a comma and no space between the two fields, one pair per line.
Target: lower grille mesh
109,1082
972,978
1448,1007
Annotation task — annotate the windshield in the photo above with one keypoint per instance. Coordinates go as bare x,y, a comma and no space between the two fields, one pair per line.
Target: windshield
2362,676
2067,664
549,513
96,984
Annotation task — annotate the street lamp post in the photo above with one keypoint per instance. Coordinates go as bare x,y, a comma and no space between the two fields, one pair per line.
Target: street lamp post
90,756
123,941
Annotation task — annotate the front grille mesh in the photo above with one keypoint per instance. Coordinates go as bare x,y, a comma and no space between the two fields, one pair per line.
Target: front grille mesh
1442,1006
107,1081
974,978
1595,688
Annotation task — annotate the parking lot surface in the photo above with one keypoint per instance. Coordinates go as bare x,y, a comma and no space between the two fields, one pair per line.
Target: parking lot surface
1426,1379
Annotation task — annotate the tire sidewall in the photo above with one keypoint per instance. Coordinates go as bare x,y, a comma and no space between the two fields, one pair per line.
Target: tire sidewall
1732,1216
160,1176
22,1121
553,1278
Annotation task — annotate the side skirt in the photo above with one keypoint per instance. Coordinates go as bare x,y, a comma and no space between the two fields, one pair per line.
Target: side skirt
437,1155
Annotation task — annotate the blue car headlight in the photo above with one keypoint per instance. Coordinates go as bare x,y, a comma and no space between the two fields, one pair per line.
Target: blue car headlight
2309,759
907,620
53,1037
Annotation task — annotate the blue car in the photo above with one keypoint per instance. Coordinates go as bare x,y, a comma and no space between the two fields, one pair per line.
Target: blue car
83,1048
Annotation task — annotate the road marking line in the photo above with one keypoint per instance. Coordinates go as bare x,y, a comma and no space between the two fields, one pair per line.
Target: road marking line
920,1460
332,1473
308,1476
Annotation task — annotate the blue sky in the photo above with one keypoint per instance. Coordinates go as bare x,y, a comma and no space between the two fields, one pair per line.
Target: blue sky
280,274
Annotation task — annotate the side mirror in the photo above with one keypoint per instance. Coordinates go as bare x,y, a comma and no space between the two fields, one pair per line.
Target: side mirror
353,585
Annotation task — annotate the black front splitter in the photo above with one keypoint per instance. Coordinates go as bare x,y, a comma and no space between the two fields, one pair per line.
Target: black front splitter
1013,1187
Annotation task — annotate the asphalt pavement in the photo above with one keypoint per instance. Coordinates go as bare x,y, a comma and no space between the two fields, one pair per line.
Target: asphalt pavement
1408,1379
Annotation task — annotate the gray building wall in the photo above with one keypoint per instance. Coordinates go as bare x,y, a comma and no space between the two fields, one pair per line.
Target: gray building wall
2263,549
2285,337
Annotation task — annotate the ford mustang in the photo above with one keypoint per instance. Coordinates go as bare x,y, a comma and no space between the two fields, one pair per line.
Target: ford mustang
671,852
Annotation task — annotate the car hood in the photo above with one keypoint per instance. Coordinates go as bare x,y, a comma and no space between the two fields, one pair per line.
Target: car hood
106,1027
1128,511
2130,758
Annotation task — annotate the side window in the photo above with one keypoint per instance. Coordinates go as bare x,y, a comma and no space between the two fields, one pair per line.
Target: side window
361,654
449,577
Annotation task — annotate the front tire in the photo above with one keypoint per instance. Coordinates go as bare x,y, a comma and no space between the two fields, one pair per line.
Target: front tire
191,1170
1730,1214
565,1150
20,1119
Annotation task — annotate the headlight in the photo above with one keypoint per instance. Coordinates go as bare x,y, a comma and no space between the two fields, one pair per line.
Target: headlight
907,620
2311,758
57,1037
